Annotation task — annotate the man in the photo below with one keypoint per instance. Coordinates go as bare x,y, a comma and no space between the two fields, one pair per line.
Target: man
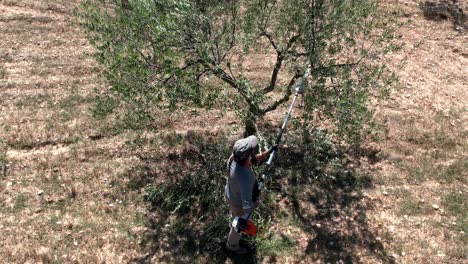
241,183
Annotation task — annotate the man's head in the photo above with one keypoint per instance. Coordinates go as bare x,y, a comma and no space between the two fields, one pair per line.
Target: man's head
244,148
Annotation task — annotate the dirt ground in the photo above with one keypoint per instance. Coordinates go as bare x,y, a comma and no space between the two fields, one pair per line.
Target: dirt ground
63,197
427,133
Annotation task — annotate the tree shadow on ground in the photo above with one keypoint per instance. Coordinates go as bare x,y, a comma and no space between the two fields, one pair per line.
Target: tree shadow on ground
189,216
446,10
340,224
328,199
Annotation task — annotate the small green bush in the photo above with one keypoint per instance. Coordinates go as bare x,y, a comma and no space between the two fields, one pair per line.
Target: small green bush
3,72
457,205
3,160
199,197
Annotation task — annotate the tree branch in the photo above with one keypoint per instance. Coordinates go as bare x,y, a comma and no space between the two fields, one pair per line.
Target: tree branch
266,14
225,77
341,65
286,96
334,87
296,54
271,40
232,42
188,64
230,70
274,74
279,60
292,40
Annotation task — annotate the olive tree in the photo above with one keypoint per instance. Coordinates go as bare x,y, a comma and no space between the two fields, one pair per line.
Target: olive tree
168,53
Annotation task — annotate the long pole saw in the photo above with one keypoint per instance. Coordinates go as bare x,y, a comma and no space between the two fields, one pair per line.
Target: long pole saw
269,163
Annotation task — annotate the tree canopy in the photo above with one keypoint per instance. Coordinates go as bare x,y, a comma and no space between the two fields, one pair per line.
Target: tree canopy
168,53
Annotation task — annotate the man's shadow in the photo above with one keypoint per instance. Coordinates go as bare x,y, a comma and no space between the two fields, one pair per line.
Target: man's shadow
249,258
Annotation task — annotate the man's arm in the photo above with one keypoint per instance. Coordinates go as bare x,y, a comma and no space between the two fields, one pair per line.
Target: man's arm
246,183
262,156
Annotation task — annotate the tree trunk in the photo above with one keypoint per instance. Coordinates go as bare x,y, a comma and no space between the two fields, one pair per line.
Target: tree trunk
250,127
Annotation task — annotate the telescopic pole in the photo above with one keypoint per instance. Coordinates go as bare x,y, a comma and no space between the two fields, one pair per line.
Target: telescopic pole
269,163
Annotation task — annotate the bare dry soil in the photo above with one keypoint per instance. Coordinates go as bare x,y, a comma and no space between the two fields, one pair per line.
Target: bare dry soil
64,196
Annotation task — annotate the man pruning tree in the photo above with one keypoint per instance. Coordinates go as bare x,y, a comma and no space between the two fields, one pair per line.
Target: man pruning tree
242,188
241,184
171,60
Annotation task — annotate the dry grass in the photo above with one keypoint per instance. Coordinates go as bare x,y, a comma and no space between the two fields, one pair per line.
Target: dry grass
64,197
60,199
426,170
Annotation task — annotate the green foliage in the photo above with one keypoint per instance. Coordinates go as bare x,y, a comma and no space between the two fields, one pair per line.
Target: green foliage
3,160
457,204
168,54
411,207
201,187
197,201
348,69
321,154
457,171
426,168
276,245
3,72
21,202
198,195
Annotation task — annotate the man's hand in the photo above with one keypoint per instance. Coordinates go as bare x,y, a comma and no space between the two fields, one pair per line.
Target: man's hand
260,157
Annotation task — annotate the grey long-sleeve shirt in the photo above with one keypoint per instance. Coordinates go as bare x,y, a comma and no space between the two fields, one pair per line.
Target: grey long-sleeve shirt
239,187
